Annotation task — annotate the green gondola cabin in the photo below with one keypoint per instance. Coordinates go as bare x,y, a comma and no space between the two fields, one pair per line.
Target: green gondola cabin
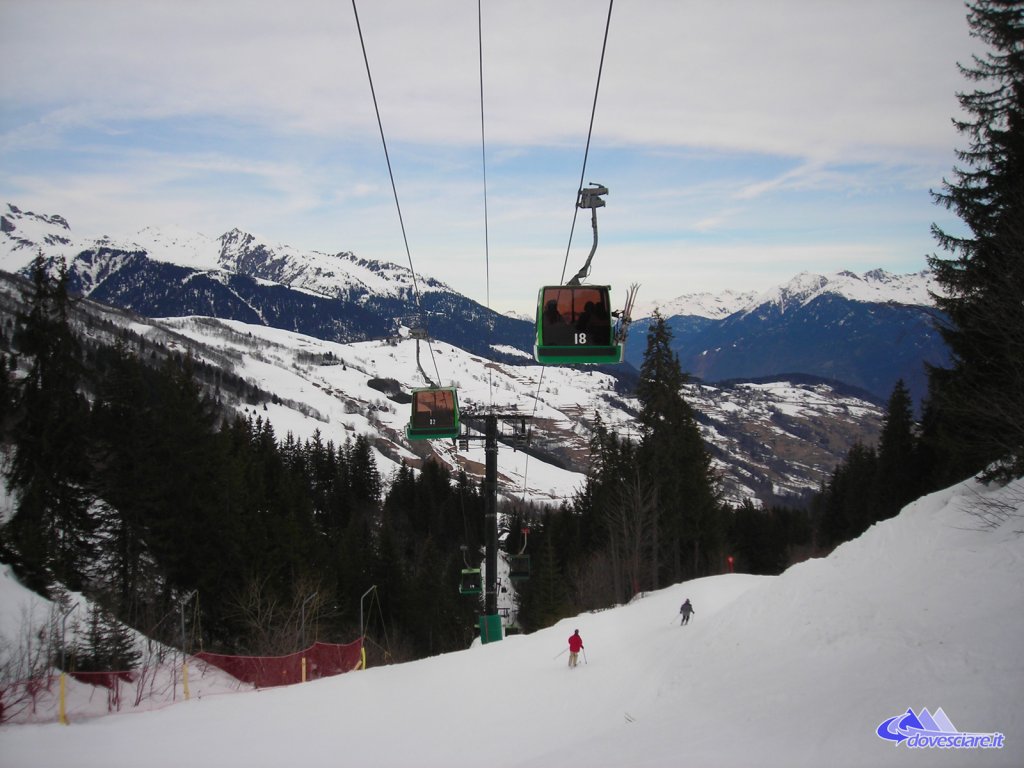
471,582
574,325
435,414
519,567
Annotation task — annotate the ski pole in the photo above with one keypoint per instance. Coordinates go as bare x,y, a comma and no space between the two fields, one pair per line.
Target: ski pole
563,651
584,655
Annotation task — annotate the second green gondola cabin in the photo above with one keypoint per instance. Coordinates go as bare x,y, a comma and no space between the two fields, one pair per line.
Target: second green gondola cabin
435,414
471,582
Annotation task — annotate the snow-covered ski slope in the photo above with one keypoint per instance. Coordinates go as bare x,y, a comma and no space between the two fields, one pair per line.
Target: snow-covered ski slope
924,610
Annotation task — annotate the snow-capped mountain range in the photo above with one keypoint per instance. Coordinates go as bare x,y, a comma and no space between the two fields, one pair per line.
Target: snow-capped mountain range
342,274
238,276
334,275
867,330
874,287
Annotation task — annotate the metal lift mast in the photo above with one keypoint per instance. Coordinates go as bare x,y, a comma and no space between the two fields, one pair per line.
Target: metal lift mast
490,621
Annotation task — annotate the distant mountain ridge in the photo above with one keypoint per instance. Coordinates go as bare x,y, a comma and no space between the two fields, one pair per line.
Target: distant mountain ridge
339,297
866,330
876,286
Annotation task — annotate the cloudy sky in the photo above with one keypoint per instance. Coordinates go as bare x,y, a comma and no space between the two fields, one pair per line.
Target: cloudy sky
742,141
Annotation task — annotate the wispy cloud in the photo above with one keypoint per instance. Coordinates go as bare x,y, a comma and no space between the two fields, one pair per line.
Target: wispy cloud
716,123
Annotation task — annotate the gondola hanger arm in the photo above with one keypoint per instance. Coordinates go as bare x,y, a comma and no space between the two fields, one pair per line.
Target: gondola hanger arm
589,197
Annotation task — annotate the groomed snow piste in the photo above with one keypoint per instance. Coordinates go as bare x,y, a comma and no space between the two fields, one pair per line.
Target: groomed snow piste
924,610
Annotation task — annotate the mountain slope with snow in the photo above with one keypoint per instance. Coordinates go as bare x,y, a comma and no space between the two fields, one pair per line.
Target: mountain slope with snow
801,669
876,286
338,297
769,441
868,331
334,275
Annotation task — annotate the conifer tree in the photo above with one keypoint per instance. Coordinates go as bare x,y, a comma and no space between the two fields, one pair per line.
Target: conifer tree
51,525
364,478
544,600
979,401
124,475
107,645
685,527
844,506
898,481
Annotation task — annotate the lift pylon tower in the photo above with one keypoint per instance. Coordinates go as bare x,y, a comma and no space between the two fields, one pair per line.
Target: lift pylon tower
490,621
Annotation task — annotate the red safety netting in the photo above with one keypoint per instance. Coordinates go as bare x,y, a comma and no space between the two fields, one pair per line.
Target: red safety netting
322,660
89,694
154,686
105,679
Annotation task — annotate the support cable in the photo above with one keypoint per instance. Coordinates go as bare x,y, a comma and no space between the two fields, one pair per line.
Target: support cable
590,131
576,209
394,188
483,148
483,164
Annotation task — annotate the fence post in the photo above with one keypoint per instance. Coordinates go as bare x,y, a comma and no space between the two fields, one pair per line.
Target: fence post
303,669
62,716
184,652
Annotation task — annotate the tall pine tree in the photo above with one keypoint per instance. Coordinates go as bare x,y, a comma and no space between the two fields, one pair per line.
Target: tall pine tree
979,401
686,526
898,480
51,525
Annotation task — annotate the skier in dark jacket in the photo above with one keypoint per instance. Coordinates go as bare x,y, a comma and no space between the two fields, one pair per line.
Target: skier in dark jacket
575,646
686,609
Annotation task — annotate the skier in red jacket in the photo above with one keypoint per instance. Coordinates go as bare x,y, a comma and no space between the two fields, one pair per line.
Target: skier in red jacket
575,646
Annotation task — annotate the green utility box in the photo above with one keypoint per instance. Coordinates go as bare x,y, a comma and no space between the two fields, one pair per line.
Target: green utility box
490,629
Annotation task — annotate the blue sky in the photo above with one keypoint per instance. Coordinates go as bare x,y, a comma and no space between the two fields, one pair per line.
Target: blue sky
742,141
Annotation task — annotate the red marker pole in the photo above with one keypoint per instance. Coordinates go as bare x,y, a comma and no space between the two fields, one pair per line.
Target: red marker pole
729,560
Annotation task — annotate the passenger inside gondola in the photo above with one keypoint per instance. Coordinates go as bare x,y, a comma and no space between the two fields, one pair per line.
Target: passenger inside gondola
593,321
556,328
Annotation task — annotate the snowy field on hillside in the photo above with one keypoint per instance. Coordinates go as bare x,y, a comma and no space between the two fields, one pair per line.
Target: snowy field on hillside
924,611
333,396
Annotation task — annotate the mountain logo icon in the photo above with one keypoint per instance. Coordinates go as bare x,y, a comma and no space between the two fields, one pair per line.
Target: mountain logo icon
933,730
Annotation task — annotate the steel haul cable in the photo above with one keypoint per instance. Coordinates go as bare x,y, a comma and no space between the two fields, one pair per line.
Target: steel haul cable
483,163
590,131
583,173
394,188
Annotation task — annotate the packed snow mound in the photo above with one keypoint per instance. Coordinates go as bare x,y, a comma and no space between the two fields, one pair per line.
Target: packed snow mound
924,610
